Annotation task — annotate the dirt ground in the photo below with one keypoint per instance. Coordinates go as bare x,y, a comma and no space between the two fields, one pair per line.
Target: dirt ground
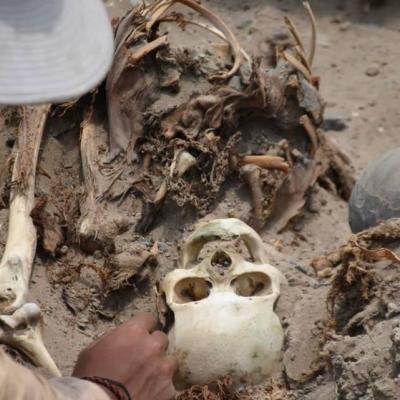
358,61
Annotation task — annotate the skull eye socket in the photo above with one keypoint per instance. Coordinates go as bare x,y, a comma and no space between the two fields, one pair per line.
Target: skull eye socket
191,289
252,284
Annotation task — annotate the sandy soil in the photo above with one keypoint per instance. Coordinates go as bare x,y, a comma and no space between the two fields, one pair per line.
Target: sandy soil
351,44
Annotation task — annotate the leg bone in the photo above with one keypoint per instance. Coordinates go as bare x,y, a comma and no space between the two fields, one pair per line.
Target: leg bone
16,264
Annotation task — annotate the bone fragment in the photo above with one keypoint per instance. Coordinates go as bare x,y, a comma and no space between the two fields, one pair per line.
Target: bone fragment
226,229
251,174
313,21
23,331
267,162
311,131
183,161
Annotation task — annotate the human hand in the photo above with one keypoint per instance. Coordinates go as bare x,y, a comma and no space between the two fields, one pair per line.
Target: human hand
133,354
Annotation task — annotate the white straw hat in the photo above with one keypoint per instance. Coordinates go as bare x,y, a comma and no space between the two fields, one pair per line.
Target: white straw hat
52,50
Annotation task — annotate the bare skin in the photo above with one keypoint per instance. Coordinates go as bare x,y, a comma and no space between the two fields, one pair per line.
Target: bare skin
134,355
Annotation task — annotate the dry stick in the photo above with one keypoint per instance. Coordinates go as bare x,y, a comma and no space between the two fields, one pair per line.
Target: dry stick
220,24
312,132
17,261
313,43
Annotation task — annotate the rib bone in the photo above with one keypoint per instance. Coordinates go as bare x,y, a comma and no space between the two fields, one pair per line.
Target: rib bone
16,264
23,331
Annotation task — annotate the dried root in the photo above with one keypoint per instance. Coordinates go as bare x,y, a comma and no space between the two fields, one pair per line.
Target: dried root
224,390
353,284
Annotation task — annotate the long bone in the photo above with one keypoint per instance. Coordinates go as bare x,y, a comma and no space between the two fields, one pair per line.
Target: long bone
16,264
23,331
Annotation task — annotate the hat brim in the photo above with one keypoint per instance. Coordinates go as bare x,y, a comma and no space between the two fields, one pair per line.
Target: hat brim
52,50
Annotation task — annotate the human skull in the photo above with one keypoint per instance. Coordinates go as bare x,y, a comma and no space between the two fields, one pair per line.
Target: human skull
223,306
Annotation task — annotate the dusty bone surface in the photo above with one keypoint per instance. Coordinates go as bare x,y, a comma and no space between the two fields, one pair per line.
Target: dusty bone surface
100,220
17,260
223,306
22,331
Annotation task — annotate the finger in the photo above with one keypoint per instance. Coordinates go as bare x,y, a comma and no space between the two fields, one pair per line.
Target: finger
169,393
171,366
161,341
143,321
99,338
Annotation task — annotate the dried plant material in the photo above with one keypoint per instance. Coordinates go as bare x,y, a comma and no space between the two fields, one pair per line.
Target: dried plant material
137,262
48,223
378,254
354,281
223,389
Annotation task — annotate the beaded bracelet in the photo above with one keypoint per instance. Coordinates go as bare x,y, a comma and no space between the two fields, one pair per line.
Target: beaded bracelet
116,388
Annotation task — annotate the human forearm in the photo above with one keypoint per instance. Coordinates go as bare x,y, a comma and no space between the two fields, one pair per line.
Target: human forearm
19,383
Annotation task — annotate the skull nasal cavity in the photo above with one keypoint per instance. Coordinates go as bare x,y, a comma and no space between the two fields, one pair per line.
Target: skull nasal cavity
221,261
